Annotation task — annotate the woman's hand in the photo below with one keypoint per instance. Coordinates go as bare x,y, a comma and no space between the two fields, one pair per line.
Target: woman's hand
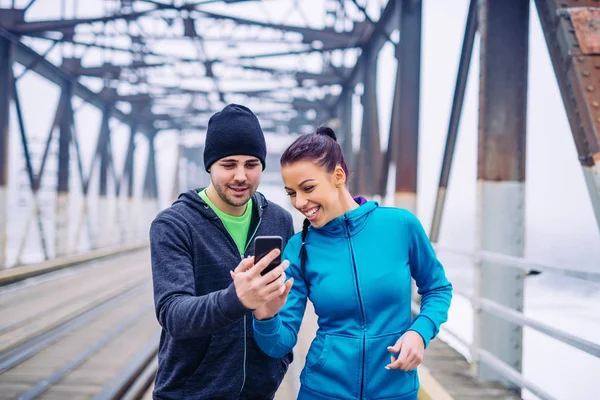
270,309
411,348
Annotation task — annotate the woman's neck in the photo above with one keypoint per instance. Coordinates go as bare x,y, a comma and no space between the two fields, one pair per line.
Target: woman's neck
347,202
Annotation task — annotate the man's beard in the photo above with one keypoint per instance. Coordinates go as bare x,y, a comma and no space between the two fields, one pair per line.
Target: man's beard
227,196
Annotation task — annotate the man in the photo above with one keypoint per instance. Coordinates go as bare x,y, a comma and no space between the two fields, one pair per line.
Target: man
206,347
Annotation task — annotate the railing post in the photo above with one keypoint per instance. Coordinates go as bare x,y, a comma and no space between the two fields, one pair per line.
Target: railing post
504,28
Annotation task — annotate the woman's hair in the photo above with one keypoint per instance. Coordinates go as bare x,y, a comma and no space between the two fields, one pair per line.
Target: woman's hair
322,148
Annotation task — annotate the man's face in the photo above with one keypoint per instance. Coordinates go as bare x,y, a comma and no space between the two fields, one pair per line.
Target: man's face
236,178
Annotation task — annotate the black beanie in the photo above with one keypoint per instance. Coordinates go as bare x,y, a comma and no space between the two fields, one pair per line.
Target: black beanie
235,130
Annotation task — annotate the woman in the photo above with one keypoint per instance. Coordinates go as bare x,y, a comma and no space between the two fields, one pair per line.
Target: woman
354,260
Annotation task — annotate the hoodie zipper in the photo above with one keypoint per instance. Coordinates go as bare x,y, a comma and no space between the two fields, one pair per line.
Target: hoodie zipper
245,327
362,311
222,227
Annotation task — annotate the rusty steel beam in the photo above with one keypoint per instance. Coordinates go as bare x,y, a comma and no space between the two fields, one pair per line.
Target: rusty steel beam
369,155
504,31
407,137
571,30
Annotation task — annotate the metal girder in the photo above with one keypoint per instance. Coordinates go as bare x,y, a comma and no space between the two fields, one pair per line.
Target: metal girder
320,79
150,184
406,151
571,31
64,140
324,48
102,150
25,28
107,71
504,29
9,17
309,35
369,154
129,161
6,88
386,23
27,57
453,124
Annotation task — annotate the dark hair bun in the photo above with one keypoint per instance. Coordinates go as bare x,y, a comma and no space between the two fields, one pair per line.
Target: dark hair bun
327,131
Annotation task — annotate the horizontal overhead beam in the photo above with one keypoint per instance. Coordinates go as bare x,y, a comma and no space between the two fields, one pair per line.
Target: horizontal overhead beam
309,34
69,24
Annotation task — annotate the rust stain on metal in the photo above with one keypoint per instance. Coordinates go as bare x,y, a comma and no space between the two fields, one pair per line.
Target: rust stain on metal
586,22
589,95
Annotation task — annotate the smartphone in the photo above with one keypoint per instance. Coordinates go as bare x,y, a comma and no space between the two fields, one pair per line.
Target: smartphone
263,246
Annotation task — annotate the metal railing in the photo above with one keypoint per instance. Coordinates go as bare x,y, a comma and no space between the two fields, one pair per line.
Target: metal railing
481,355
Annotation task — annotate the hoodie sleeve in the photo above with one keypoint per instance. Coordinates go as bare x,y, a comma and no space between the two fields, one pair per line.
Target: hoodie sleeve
181,313
434,288
278,336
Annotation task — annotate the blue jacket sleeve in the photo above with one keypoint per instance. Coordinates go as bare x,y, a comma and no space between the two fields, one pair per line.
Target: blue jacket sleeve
278,336
434,288
180,312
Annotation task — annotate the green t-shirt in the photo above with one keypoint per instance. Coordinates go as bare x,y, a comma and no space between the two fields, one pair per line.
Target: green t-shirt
236,226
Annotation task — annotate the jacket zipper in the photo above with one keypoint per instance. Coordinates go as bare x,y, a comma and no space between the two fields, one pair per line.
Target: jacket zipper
362,311
245,327
222,227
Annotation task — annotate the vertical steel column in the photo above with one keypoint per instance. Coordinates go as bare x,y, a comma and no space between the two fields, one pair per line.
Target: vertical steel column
129,232
391,155
408,120
104,221
150,184
345,115
504,28
457,103
6,85
369,155
62,196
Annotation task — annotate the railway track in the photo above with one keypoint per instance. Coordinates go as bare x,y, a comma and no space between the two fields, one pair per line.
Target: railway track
87,333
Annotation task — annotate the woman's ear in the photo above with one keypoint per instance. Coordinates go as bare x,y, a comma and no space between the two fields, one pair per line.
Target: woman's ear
339,176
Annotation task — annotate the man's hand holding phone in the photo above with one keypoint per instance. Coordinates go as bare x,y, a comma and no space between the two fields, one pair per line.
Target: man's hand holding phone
253,288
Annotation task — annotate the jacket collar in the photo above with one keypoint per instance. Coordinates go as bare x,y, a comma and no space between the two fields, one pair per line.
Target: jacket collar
351,222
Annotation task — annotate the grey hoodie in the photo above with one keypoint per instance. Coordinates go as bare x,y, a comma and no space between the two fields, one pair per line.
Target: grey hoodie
206,347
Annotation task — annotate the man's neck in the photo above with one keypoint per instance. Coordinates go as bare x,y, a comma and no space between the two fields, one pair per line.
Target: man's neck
214,197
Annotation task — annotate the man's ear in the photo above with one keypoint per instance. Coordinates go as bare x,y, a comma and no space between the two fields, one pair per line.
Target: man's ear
339,176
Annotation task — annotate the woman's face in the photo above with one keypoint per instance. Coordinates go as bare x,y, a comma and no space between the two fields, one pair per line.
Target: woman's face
313,191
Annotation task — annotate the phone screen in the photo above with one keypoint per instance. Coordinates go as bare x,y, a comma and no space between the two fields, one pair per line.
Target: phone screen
263,246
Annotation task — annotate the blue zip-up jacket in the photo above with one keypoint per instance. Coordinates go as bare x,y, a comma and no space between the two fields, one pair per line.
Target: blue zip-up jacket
206,349
358,277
